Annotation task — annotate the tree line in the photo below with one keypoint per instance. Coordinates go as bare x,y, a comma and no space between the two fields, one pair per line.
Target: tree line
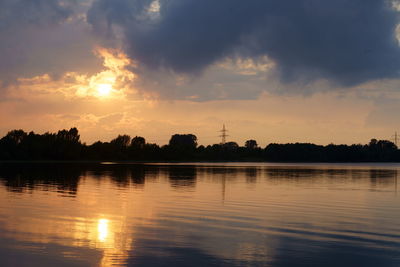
66,145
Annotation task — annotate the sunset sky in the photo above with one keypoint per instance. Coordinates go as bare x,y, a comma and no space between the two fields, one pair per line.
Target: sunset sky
317,71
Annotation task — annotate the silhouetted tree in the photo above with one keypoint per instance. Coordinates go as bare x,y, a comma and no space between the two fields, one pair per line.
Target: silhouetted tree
138,142
251,144
373,142
15,136
183,141
181,146
69,136
386,145
231,145
121,141
66,145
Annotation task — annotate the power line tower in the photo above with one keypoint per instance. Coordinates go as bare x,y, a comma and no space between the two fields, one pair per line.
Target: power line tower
395,138
223,134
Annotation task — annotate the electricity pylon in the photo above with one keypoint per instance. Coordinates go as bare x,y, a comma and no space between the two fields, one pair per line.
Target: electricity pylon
223,134
395,138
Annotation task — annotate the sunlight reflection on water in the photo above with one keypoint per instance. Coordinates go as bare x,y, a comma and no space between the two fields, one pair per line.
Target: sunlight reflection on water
199,215
102,228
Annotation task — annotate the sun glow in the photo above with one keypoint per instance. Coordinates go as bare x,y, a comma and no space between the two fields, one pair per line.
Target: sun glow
113,81
104,89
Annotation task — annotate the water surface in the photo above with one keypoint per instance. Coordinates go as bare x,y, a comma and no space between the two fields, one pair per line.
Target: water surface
237,214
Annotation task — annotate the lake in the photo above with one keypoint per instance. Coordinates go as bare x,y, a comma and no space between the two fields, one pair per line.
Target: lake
233,214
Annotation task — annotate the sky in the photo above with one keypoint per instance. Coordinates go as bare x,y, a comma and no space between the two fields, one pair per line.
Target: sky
283,71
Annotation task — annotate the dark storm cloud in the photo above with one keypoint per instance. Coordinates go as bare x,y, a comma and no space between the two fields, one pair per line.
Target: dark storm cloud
21,20
41,36
344,41
37,12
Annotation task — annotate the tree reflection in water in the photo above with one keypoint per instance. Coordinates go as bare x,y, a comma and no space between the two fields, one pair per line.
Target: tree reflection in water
198,214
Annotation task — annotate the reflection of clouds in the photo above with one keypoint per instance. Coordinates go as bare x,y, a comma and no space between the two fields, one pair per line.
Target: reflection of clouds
104,235
287,210
376,177
251,252
21,178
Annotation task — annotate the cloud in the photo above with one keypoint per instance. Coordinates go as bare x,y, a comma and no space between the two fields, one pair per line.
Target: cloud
110,83
44,36
36,12
345,42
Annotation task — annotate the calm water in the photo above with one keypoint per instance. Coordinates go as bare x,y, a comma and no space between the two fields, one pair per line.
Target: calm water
199,215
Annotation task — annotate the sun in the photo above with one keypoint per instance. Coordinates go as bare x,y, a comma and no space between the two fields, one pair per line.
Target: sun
103,89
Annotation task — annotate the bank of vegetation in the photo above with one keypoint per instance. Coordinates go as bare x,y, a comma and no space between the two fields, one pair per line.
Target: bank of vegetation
66,145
